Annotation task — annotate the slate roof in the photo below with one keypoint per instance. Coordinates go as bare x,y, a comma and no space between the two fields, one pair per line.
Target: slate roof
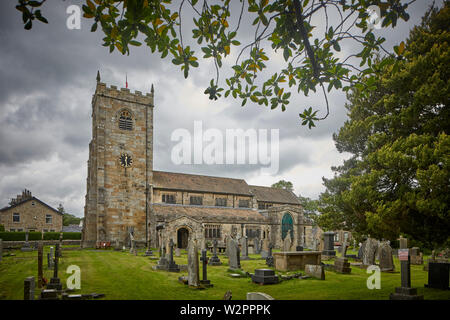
200,183
30,199
208,212
72,228
275,195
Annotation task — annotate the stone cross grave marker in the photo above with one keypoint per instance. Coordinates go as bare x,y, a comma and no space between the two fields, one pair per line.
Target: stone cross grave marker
40,261
215,261
193,268
244,244
204,259
269,259
55,282
405,292
172,267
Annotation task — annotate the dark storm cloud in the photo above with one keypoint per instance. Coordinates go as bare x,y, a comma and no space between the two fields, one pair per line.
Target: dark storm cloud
47,78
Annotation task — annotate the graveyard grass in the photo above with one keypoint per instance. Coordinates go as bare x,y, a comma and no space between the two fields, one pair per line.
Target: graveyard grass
121,275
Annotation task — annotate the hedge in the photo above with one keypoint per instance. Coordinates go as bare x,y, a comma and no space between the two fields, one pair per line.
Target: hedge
20,236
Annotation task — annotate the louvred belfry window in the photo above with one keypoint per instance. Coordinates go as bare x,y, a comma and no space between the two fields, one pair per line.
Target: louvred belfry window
125,121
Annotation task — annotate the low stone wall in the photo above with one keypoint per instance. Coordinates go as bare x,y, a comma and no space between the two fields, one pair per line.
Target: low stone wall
33,244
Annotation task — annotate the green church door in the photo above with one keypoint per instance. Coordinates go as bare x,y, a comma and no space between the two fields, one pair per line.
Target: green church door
287,224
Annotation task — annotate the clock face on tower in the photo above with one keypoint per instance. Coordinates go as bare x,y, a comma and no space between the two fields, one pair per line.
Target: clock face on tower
125,160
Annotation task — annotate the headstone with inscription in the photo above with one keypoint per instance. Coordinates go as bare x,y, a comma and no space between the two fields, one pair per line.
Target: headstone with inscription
385,256
328,240
264,276
26,246
438,275
368,255
315,271
287,243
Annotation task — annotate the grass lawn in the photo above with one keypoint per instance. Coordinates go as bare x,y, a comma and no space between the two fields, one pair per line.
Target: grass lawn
120,275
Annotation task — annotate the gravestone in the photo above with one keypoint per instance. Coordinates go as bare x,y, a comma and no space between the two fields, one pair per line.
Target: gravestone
287,242
149,251
1,250
26,246
49,294
244,245
368,255
204,259
344,248
265,248
163,263
438,275
172,266
40,262
28,288
405,292
215,261
269,259
256,246
361,250
55,282
177,252
342,265
315,271
60,244
416,256
227,296
50,259
258,296
386,258
264,276
328,243
193,269
234,260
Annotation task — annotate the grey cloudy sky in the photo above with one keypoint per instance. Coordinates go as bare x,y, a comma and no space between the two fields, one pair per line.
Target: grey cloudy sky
47,78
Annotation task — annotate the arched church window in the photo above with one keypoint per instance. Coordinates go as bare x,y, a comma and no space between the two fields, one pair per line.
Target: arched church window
125,120
287,225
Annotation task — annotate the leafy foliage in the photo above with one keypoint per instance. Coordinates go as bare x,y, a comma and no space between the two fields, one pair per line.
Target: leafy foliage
397,181
313,55
282,184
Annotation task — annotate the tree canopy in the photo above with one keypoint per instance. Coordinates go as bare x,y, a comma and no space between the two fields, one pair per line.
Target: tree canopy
325,45
282,184
397,180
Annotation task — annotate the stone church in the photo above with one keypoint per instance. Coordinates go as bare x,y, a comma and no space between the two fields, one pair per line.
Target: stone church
126,195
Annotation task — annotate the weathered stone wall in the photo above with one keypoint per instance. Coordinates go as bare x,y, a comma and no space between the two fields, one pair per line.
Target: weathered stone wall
32,217
117,196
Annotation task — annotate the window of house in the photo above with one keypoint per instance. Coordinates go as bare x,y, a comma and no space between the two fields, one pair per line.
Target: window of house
221,202
52,230
244,203
336,237
19,230
45,230
212,232
168,198
16,217
264,206
196,200
48,218
32,230
125,121
12,230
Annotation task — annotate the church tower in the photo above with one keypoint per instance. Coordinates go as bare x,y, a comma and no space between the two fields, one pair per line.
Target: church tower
120,166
